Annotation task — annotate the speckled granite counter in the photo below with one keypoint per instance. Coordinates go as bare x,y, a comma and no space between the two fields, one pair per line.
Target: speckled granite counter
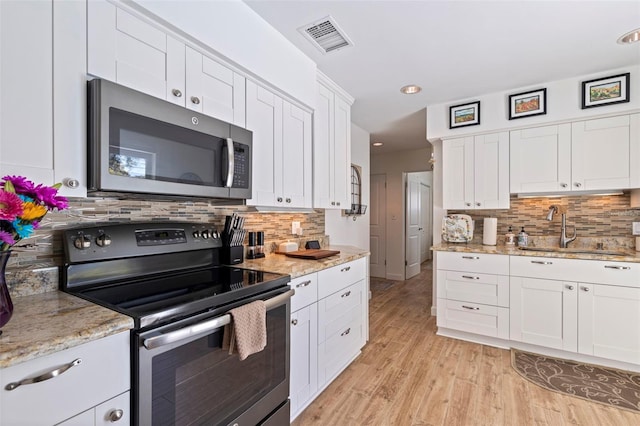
282,264
53,321
625,255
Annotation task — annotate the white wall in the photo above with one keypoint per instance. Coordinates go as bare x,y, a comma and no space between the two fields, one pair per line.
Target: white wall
563,104
393,165
234,30
342,229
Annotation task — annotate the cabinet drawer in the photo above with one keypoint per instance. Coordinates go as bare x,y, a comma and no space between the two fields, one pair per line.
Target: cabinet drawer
474,262
306,288
588,271
102,373
338,350
487,289
473,318
338,277
339,309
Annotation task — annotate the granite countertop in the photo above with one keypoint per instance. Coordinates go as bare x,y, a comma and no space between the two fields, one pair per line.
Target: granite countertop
622,255
295,267
53,321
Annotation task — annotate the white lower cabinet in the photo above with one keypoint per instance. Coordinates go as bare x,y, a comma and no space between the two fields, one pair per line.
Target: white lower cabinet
328,328
91,381
583,306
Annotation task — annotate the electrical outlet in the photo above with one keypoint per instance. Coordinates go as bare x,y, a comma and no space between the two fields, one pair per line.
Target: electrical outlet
636,228
294,227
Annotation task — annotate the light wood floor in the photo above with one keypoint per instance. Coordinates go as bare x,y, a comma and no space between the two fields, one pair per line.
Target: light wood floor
406,375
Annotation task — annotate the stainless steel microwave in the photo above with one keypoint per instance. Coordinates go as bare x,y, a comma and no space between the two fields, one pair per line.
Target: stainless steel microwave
141,145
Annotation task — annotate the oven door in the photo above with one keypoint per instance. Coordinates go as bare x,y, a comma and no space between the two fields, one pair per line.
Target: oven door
184,377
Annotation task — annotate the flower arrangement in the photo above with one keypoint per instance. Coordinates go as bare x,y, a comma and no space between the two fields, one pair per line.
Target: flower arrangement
23,204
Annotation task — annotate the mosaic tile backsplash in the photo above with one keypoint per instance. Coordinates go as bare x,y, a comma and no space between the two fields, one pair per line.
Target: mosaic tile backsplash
44,248
596,217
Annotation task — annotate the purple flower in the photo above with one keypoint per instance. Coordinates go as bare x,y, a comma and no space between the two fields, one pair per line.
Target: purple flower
10,206
20,183
49,196
7,238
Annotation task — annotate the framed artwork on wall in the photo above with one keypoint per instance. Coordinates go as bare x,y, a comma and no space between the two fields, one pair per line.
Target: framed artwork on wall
605,91
464,115
527,104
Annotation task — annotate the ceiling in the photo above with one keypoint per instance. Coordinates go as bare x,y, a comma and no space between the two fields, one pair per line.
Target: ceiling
454,50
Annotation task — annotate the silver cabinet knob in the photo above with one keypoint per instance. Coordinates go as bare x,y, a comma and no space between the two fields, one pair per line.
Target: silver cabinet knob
195,100
478,204
577,184
337,203
71,183
569,287
115,415
177,93
288,200
564,185
585,289
294,321
333,203
279,199
468,204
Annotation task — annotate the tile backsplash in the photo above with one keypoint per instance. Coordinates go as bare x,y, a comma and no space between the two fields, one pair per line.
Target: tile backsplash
593,216
44,248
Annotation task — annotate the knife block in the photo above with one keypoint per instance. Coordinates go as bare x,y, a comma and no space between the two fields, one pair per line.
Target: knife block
231,255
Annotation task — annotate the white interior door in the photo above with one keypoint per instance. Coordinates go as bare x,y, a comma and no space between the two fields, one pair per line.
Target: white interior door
413,230
377,225
426,236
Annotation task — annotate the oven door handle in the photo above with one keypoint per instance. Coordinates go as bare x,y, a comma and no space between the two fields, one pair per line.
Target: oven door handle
232,165
209,325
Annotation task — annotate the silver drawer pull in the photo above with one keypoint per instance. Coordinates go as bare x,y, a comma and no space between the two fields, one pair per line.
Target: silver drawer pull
347,294
303,284
294,321
541,262
347,331
471,257
348,268
570,287
469,277
46,376
115,415
472,308
624,268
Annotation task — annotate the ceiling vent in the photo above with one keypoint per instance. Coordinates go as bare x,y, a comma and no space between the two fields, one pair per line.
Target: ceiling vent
326,35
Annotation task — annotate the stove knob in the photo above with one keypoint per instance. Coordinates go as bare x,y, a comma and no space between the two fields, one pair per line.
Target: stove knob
205,234
103,240
196,234
82,242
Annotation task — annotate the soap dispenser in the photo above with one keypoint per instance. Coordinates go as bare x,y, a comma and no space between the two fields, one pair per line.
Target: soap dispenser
510,238
523,238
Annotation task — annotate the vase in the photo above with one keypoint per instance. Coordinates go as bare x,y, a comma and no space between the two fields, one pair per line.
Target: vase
6,305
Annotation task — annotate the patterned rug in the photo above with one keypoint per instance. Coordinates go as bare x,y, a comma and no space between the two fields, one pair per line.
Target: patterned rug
607,386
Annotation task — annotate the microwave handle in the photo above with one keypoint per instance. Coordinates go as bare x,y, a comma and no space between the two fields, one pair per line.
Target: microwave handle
231,166
209,325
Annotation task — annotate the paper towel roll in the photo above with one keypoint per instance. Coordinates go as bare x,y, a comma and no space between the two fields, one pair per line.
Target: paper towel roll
490,231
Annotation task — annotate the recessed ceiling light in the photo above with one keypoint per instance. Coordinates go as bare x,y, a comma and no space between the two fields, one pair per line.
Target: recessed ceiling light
630,37
377,144
411,89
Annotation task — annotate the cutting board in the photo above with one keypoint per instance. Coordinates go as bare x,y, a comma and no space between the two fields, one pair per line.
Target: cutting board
311,254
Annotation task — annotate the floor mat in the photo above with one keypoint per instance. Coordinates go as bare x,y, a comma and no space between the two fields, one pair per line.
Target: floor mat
617,388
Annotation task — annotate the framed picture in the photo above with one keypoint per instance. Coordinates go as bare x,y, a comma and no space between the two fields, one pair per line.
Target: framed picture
605,91
464,115
527,104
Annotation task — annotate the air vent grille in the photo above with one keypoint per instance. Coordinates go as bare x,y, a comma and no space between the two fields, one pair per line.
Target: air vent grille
326,35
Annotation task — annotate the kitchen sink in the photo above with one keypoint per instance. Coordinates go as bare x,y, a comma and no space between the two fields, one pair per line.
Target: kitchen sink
575,251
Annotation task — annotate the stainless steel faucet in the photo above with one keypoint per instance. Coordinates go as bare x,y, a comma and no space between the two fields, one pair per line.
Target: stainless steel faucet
564,240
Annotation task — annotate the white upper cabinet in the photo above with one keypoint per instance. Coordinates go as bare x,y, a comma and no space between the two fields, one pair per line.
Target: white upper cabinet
43,81
281,150
476,172
132,51
596,154
331,150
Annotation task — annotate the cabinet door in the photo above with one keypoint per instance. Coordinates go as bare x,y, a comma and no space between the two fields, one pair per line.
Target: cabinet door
601,153
544,312
304,357
322,165
214,89
294,159
457,178
491,171
264,119
540,159
130,51
609,322
26,127
341,155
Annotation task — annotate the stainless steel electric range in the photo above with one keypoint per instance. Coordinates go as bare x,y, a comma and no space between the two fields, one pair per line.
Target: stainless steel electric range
168,278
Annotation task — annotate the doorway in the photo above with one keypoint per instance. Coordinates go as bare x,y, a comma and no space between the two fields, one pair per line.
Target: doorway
418,228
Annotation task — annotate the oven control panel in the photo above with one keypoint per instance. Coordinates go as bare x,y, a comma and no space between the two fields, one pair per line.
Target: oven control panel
137,239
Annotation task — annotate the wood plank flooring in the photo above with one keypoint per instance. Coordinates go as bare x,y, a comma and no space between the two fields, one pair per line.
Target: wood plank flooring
406,375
